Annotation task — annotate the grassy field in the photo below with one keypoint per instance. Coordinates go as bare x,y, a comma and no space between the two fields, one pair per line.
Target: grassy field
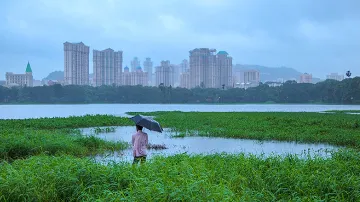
337,129
184,178
43,160
24,138
344,111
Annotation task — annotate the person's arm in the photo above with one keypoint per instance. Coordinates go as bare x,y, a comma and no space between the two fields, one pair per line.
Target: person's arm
133,145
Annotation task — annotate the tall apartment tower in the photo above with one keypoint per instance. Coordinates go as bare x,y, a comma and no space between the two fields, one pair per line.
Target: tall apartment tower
222,75
165,74
134,64
184,66
148,67
185,80
76,63
107,67
202,63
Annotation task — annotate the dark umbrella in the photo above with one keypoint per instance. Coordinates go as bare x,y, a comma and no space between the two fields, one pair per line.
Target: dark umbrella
147,122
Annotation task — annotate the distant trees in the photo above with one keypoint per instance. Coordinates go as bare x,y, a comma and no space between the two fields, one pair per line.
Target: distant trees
329,91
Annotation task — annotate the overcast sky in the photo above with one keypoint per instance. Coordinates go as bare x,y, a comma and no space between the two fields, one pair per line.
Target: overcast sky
314,36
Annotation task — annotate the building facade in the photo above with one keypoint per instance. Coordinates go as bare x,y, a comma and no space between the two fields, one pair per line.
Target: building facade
135,78
176,76
222,75
305,78
210,70
126,80
202,62
185,80
135,63
184,66
76,63
335,76
164,74
246,78
148,67
107,66
20,79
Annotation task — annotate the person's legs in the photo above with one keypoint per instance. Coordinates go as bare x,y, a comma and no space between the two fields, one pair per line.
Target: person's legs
142,159
136,160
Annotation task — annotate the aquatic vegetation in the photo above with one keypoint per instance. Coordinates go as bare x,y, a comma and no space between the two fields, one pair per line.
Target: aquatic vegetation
337,129
70,122
343,111
183,178
156,146
53,136
98,130
40,160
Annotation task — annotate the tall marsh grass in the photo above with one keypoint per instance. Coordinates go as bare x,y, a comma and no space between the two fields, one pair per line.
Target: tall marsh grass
182,178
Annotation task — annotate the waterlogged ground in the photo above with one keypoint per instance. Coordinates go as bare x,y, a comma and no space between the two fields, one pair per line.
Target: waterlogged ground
45,159
204,145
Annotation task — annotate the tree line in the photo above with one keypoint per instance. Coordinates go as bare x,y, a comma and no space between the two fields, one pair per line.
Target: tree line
329,91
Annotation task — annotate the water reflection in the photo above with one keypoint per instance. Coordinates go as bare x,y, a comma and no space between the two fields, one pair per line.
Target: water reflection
205,145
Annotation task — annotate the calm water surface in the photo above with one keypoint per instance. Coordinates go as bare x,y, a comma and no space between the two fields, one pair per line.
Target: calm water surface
205,145
37,111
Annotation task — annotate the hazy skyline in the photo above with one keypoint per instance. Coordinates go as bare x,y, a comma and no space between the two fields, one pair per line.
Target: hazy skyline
317,37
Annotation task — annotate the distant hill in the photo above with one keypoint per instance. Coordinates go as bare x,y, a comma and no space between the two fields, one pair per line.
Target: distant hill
273,73
57,75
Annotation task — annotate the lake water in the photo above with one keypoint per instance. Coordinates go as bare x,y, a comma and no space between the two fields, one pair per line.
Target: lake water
205,145
37,111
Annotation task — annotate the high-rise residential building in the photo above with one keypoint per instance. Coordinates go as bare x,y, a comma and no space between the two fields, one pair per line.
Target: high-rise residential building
20,79
222,75
76,63
107,67
209,70
185,79
305,78
335,76
202,63
251,78
139,77
184,66
176,76
126,80
148,67
134,64
165,74
135,78
247,78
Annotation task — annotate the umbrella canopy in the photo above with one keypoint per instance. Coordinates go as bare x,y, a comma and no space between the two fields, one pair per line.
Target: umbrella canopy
147,122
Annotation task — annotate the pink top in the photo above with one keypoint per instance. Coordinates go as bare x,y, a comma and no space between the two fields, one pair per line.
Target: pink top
139,143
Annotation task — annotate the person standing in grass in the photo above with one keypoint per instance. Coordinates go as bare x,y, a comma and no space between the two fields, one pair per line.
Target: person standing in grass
139,143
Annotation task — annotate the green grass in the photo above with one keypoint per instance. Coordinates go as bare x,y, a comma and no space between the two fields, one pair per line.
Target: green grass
336,129
53,136
183,178
70,122
344,111
45,165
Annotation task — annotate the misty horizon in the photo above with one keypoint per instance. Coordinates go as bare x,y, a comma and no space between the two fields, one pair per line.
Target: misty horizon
315,37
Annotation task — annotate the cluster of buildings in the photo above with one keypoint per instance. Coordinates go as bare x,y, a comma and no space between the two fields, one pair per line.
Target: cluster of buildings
206,68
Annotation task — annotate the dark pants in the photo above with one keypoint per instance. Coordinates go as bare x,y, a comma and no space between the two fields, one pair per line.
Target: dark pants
140,159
